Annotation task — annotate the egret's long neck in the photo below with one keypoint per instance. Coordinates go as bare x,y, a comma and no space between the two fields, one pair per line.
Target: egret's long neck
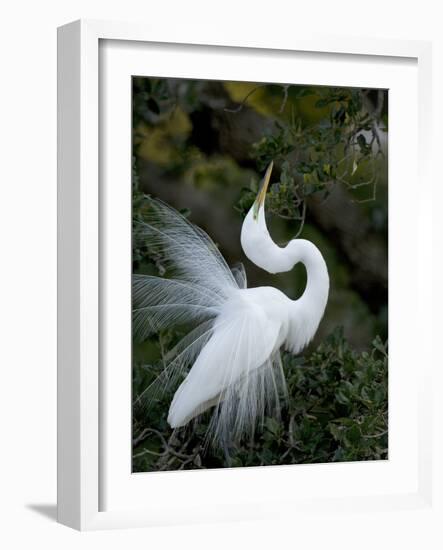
306,312
261,249
317,283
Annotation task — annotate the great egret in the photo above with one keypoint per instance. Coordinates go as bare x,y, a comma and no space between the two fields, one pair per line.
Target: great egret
231,359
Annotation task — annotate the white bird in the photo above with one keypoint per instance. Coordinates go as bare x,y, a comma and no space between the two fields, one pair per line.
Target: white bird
231,359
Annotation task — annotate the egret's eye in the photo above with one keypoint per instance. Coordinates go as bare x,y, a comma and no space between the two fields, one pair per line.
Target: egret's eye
260,200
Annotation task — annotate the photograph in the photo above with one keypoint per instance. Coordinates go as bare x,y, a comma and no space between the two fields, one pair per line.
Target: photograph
223,255
259,274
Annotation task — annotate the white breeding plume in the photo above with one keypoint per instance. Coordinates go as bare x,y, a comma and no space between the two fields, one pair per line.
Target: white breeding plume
231,359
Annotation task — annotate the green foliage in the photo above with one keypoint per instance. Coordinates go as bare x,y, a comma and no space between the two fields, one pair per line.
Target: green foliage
156,98
151,97
336,142
336,410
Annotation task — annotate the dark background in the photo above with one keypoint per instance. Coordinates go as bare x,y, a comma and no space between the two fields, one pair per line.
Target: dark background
202,146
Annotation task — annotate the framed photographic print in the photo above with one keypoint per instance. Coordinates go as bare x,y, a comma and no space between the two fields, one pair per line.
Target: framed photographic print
236,228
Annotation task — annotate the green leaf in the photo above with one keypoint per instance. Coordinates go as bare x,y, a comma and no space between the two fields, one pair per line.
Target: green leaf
272,425
342,397
353,435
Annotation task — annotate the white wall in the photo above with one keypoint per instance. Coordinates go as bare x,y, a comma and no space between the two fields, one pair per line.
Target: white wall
28,276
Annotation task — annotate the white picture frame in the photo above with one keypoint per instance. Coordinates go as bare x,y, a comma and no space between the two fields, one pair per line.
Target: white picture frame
86,477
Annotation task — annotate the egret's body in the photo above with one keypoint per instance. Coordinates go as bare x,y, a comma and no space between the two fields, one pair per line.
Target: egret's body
234,352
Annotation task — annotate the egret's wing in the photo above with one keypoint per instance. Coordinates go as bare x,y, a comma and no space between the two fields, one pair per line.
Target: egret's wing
162,303
232,349
186,251
234,371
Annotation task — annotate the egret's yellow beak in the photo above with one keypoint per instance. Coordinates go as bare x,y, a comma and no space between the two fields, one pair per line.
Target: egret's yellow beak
259,201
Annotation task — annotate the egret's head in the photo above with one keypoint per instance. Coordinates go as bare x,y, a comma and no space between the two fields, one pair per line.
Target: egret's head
258,245
255,239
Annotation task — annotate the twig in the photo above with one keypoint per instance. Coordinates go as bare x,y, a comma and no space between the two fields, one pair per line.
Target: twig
285,98
140,438
147,451
144,434
381,434
242,104
303,218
